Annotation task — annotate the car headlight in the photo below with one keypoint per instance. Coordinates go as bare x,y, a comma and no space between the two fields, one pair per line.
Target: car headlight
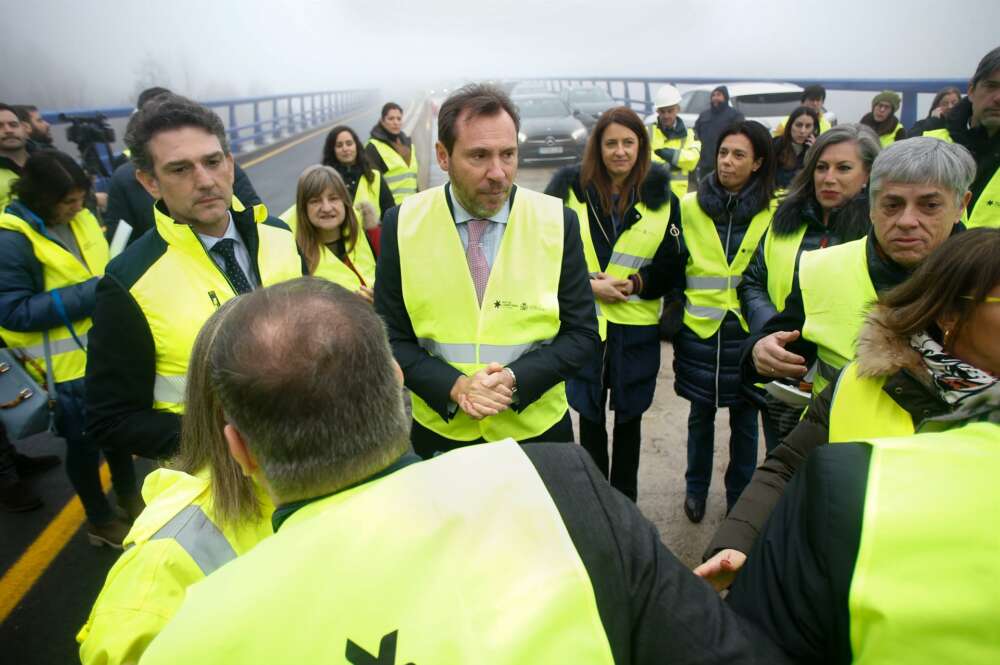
579,134
521,137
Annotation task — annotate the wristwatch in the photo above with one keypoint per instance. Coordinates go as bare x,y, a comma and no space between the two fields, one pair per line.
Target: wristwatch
513,378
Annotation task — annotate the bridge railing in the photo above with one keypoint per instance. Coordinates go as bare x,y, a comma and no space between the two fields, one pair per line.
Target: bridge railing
638,92
254,121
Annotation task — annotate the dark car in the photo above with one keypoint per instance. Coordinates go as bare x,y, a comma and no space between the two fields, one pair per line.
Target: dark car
548,130
588,103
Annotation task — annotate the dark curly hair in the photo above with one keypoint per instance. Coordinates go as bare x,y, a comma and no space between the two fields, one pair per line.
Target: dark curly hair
165,113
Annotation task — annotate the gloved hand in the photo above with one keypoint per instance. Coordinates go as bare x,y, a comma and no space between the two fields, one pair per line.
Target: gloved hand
666,154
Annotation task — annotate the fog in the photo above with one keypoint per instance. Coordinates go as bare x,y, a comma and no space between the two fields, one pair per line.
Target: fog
60,54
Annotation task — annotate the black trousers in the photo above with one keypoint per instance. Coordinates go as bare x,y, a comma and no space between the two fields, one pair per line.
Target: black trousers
427,443
625,442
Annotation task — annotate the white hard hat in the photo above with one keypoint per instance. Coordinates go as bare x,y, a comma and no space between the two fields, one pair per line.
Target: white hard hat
668,95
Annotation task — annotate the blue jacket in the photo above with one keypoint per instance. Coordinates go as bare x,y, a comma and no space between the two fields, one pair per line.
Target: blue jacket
708,370
26,306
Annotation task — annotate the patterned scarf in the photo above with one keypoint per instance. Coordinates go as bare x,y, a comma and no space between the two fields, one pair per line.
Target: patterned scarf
955,380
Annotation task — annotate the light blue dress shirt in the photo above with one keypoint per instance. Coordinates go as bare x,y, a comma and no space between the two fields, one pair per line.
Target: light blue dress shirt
494,230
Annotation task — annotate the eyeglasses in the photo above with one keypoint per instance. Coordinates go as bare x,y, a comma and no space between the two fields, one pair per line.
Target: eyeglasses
992,299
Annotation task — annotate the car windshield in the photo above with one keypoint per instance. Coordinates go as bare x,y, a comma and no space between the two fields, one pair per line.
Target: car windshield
588,95
541,108
767,104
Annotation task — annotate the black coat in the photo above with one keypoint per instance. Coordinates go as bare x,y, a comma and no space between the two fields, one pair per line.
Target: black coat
631,353
707,370
847,223
984,148
353,174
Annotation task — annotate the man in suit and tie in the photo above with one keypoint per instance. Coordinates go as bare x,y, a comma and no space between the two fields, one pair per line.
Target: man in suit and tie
484,290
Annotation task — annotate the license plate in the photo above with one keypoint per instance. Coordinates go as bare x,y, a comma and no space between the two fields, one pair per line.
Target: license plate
554,150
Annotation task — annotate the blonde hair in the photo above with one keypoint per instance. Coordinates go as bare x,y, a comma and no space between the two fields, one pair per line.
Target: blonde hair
234,495
312,183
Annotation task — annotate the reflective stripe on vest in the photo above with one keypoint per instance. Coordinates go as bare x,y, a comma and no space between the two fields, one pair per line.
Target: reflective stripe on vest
520,307
176,309
199,537
710,291
924,590
169,389
781,253
60,269
470,562
861,409
400,176
986,211
836,295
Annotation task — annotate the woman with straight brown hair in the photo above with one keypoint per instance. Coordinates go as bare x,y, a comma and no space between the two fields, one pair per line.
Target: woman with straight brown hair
329,235
201,511
630,224
930,346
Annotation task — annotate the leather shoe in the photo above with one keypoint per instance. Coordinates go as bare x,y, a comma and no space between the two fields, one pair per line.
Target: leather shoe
32,466
110,534
694,509
18,498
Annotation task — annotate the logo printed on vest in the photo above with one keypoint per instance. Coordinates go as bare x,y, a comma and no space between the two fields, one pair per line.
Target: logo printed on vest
522,306
386,652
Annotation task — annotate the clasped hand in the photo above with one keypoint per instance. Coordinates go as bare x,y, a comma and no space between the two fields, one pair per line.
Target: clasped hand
486,393
608,289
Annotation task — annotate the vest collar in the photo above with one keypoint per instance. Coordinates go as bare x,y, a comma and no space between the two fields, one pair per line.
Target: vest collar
285,511
183,237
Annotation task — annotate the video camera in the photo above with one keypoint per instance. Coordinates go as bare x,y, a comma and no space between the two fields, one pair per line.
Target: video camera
93,136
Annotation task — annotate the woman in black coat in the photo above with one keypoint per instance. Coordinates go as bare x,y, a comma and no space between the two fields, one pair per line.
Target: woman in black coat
827,204
790,148
629,220
723,223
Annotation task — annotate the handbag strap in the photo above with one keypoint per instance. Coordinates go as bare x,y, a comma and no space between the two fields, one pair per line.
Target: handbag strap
50,381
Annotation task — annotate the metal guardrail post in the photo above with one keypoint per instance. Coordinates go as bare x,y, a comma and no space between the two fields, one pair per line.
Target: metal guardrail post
275,127
649,97
234,134
258,138
908,114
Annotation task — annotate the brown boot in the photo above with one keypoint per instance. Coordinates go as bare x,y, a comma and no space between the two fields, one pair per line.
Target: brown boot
110,533
132,505
18,498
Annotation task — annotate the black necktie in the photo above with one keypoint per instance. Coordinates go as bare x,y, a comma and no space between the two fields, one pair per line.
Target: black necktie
226,248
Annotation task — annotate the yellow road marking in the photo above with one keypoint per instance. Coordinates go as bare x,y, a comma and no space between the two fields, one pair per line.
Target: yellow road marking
301,139
19,579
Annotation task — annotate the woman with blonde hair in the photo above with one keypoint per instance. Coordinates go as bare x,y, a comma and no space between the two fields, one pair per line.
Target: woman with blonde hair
329,235
201,512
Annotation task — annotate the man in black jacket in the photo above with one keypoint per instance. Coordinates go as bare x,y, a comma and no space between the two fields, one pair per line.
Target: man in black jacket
580,576
478,148
128,200
709,126
821,580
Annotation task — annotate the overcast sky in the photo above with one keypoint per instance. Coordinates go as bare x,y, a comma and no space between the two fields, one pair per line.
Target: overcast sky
69,53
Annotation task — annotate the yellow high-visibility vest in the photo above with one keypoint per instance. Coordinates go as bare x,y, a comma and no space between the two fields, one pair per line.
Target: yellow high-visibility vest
837,292
460,559
520,309
986,211
401,177
689,152
711,280
633,250
7,178
60,268
335,270
184,286
923,590
176,541
861,409
780,255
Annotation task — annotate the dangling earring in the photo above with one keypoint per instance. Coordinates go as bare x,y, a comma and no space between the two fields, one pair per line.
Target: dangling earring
947,337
